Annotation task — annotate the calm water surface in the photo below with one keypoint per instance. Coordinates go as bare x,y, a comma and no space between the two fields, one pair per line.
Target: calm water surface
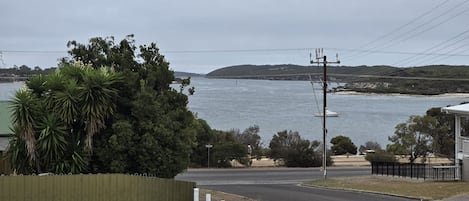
289,105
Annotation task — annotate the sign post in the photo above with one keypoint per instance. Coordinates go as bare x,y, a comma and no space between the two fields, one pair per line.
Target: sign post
208,146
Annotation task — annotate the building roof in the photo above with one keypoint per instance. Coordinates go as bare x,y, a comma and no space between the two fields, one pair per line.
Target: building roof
457,109
5,118
4,142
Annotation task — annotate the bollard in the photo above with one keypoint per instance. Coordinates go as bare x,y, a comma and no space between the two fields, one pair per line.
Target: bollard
196,194
208,197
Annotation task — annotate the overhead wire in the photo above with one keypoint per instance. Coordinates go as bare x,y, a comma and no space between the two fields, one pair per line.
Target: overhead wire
382,37
445,55
431,27
412,33
433,49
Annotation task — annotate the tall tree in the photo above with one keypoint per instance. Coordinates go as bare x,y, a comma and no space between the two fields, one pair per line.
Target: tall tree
413,138
443,135
153,115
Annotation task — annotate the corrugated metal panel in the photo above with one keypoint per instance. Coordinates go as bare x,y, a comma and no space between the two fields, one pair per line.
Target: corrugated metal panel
93,188
457,109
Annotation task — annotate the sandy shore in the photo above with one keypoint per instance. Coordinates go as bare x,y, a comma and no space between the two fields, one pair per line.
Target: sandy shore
446,95
342,161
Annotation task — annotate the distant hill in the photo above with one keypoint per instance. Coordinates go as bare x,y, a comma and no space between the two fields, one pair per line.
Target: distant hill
436,79
186,74
293,72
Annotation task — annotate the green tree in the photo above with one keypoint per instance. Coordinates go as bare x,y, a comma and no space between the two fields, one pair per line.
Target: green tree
204,135
413,138
443,134
52,117
250,138
153,115
343,145
295,151
25,115
226,148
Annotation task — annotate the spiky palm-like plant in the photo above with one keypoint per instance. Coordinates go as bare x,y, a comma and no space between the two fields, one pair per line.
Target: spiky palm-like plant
24,107
97,99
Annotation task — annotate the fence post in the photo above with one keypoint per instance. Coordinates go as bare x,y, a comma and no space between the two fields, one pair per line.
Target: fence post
208,197
411,171
196,194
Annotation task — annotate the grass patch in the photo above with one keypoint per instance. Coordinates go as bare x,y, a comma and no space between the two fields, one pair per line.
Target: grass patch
397,186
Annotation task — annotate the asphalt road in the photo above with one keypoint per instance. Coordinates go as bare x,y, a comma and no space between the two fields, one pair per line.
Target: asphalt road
279,184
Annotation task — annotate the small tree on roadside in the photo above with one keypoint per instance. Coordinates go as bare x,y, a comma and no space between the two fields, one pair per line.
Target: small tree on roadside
250,138
381,156
343,145
295,151
227,148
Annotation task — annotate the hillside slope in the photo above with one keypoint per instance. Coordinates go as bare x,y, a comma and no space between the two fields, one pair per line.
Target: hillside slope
427,80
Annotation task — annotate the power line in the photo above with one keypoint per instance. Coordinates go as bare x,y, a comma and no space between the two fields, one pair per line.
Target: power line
432,27
411,33
382,37
33,51
432,49
345,75
299,49
436,58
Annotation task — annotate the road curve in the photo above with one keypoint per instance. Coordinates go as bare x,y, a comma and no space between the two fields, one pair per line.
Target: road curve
289,192
279,184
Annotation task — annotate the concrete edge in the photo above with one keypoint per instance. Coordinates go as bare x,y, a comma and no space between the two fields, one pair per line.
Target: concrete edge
228,194
365,191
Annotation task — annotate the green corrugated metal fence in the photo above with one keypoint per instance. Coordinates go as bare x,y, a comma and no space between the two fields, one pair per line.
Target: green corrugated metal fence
100,187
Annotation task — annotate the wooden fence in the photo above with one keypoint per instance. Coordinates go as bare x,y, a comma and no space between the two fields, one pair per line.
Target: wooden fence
4,165
99,187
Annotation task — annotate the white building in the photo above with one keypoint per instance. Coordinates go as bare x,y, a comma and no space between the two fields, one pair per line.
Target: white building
461,147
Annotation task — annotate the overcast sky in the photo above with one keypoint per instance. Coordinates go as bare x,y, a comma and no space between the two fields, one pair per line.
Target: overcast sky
200,36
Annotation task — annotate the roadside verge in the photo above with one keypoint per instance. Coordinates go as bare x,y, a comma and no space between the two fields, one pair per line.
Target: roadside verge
402,187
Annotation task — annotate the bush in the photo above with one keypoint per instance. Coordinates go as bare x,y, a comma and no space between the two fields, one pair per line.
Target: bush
343,145
381,156
295,151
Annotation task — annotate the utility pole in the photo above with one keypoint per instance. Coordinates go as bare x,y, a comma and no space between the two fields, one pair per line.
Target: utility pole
1,59
320,55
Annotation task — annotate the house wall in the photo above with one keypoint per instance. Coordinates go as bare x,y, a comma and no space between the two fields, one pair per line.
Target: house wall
465,170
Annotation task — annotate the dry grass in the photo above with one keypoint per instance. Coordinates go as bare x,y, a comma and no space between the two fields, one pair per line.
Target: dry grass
218,195
397,186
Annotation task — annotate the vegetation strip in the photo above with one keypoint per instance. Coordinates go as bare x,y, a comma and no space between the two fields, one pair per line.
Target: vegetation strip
396,186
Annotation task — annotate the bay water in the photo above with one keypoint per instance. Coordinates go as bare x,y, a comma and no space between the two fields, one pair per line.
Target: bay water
290,105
